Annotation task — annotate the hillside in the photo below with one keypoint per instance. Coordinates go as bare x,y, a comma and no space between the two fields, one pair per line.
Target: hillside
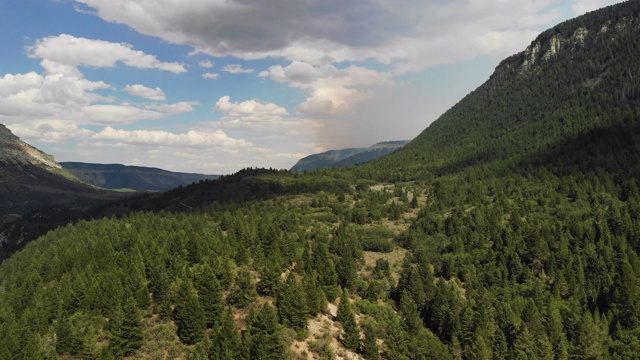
578,77
508,229
37,193
139,178
345,157
324,159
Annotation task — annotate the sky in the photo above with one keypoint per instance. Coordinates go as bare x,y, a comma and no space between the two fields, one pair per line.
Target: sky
214,86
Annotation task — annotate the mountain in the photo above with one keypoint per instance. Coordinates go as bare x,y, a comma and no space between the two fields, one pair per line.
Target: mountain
37,193
577,77
508,229
371,153
117,176
324,159
344,157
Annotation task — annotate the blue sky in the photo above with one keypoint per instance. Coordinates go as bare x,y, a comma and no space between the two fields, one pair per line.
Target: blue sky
213,86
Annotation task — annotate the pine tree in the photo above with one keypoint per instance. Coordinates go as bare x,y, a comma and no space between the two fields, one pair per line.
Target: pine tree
243,291
262,340
189,315
125,330
158,282
409,314
346,271
291,304
226,341
370,349
327,277
269,279
316,301
351,334
67,342
210,294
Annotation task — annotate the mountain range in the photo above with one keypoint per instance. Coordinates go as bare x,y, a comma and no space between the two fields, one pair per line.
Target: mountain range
507,229
345,157
139,178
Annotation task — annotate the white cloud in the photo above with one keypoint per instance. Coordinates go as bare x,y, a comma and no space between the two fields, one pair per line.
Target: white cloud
332,91
237,69
145,92
50,130
207,64
209,75
25,98
32,95
414,33
63,54
216,138
250,111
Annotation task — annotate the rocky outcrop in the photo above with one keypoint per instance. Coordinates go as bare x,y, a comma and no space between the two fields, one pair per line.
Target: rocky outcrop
15,151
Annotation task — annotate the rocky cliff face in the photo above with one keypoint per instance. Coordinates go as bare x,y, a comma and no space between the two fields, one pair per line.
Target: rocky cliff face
15,151
568,35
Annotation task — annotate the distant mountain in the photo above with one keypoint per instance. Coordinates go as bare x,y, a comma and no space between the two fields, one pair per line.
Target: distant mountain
117,176
37,193
344,157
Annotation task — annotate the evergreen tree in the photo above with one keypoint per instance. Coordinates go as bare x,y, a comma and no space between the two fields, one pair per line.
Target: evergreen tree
67,342
158,282
209,293
262,339
315,298
351,333
409,314
243,291
292,305
269,278
125,330
226,341
370,348
327,277
189,315
346,271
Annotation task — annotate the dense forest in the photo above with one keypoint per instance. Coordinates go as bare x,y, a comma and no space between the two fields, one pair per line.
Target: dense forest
509,229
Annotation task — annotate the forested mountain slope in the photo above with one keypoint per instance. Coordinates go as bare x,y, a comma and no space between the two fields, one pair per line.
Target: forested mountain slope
509,229
36,192
325,159
345,157
580,76
140,178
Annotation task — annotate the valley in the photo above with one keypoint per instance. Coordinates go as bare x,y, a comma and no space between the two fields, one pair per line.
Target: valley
507,229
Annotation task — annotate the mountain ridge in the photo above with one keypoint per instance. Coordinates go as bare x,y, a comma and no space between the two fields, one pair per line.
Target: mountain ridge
347,156
38,194
139,178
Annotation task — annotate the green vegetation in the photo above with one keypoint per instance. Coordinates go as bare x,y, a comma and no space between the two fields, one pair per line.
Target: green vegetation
508,229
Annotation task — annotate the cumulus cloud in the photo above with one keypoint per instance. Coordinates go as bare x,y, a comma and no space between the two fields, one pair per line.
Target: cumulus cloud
33,95
250,111
211,76
206,64
50,130
332,91
332,31
30,97
145,92
216,138
63,54
237,69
